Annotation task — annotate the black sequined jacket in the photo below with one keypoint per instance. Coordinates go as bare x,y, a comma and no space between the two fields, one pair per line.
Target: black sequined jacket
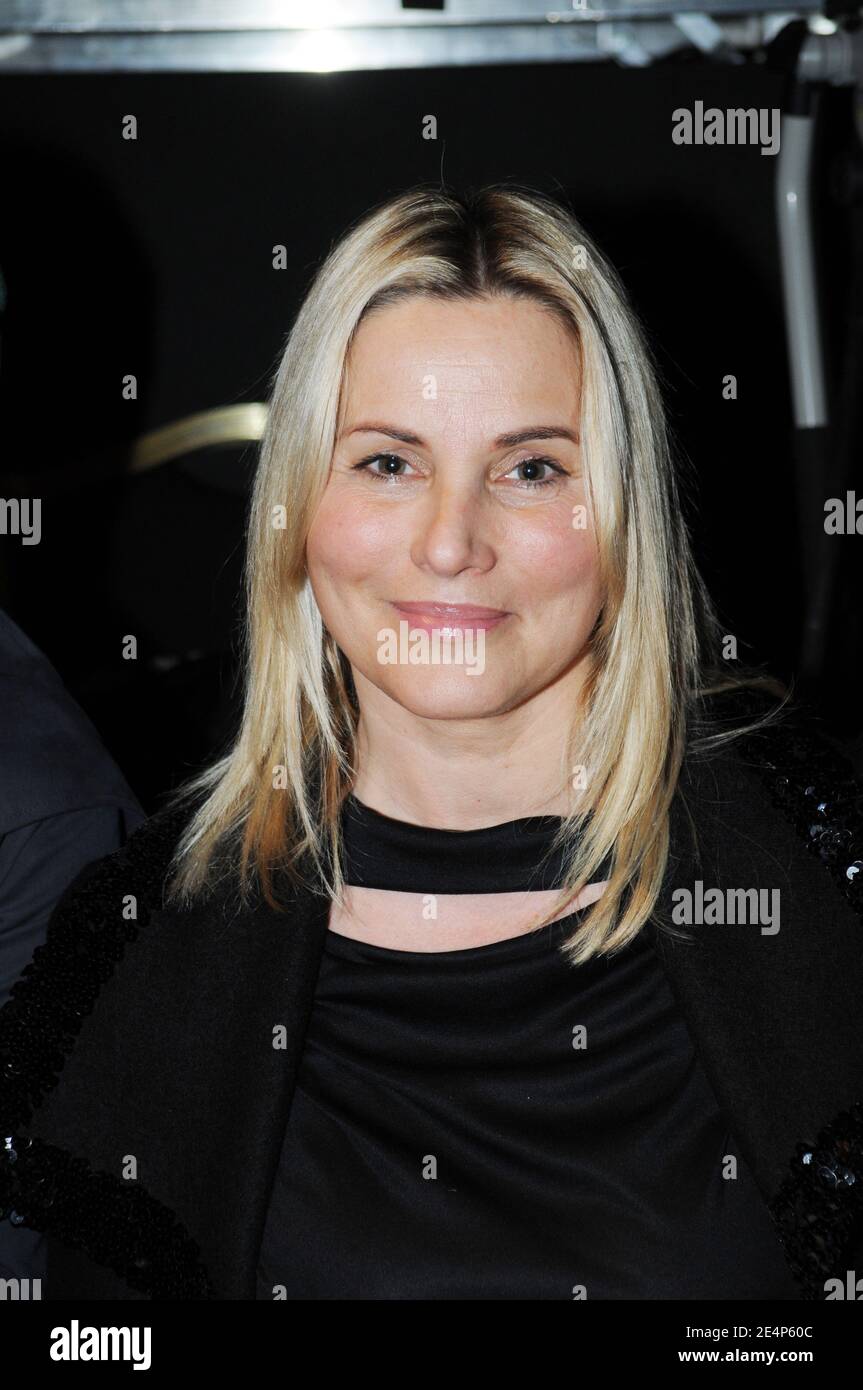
152,1038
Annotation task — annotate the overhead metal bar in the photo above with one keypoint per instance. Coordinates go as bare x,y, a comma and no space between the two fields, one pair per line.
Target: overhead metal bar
366,35
151,16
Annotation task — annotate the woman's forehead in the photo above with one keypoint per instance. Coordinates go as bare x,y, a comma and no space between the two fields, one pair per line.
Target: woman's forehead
487,359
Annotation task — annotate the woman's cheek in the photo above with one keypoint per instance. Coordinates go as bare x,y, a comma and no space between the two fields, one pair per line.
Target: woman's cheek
583,556
349,538
560,556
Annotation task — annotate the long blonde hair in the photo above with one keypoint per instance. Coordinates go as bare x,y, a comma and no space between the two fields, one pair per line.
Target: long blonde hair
653,648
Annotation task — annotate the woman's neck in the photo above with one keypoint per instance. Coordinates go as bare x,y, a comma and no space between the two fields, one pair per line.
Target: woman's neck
463,774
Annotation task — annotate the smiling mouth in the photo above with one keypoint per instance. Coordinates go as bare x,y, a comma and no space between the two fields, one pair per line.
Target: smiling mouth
451,616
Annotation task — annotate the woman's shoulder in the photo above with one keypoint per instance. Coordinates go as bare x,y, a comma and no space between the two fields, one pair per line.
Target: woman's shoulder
784,783
119,956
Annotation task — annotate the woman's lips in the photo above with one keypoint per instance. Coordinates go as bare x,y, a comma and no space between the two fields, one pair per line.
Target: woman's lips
451,616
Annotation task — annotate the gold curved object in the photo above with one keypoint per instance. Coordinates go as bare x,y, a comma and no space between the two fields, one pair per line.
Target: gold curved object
221,425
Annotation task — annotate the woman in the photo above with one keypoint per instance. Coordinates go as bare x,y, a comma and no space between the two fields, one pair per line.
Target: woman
490,961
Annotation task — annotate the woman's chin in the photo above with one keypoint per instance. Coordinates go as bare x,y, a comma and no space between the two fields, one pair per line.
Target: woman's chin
451,695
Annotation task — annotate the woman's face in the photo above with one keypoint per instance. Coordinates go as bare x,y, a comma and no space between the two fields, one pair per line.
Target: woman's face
451,512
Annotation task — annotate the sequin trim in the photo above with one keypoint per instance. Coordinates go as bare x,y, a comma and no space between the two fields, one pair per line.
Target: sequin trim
817,790
117,1224
818,1208
819,1205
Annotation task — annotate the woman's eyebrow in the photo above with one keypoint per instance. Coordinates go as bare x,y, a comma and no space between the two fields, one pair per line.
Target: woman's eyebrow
503,441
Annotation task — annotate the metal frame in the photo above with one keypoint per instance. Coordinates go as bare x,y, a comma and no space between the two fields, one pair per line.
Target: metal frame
367,35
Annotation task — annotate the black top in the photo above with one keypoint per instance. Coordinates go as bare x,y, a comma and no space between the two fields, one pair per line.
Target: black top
494,1123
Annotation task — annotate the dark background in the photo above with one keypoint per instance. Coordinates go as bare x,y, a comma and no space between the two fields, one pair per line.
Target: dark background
154,257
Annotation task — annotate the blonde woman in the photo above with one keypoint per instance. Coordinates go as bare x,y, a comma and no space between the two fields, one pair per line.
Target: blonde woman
490,961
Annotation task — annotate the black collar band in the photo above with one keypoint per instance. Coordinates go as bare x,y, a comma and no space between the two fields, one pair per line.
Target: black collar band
380,852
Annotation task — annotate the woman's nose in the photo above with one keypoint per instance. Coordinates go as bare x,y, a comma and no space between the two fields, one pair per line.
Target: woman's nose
451,529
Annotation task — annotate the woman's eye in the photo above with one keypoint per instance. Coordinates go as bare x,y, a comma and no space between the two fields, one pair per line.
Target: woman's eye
387,459
534,467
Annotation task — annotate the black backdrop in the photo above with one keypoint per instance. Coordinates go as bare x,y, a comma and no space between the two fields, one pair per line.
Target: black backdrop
154,257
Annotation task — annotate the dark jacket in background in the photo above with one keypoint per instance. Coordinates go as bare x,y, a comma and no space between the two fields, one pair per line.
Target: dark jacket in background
63,804
175,1066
